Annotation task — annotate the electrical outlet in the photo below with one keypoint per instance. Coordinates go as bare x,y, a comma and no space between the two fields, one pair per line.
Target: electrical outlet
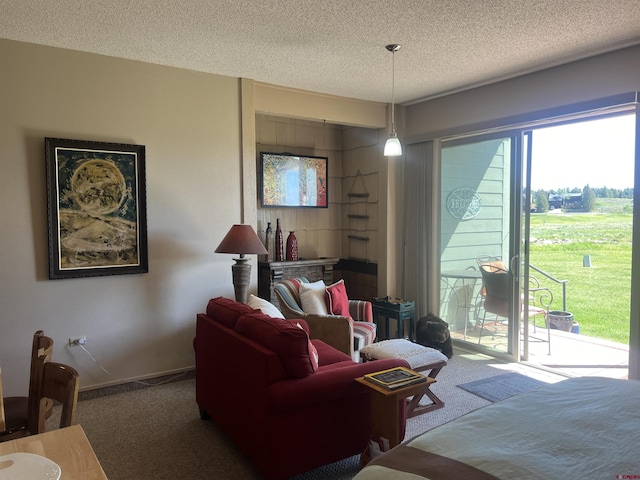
75,341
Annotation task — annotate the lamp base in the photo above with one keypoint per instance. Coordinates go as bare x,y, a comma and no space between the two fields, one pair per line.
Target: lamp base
241,272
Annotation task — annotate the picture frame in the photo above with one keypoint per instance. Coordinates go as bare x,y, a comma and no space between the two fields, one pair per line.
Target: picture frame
290,180
96,205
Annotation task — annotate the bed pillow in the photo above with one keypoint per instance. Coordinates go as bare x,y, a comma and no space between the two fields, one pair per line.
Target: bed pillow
337,299
264,306
312,298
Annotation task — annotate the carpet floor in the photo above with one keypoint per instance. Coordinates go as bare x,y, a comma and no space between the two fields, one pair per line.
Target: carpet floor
156,432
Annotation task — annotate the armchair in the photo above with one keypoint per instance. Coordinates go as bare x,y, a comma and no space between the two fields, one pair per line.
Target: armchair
346,333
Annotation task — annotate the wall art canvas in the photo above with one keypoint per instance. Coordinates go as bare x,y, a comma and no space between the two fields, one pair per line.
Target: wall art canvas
290,180
96,208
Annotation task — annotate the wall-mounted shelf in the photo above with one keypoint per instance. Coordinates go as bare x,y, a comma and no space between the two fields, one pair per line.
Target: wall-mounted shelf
358,237
358,195
353,215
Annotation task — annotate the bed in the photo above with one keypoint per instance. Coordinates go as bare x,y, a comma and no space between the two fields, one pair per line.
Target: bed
586,428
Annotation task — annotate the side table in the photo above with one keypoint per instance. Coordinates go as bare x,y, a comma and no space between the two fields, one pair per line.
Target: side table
400,310
385,410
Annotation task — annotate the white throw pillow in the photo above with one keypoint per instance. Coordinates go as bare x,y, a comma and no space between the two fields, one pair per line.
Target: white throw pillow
263,305
313,297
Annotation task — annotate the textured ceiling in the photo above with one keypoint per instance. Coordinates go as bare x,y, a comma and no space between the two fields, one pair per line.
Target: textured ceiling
336,46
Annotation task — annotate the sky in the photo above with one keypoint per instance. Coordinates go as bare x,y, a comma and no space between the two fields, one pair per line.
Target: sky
599,153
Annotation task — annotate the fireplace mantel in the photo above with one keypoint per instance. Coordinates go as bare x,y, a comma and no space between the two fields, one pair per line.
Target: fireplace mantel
270,273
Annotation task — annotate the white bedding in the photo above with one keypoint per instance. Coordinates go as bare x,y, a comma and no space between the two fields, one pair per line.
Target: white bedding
580,428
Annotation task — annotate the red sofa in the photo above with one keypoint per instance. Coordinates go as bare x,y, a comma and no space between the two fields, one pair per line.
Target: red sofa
286,408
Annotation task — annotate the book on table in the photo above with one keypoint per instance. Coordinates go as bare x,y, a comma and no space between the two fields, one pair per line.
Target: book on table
394,378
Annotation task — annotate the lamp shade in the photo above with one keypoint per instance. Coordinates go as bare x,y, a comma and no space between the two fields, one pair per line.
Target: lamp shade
241,239
392,148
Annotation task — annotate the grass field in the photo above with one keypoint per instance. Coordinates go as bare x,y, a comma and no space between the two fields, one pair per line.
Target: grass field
598,296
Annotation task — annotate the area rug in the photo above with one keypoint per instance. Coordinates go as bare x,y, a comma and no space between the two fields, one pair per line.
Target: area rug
500,387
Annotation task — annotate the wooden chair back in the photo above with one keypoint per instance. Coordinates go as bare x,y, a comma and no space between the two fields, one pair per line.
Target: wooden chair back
16,408
41,346
58,382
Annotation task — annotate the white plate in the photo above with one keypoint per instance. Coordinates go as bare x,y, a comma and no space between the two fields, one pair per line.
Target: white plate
27,466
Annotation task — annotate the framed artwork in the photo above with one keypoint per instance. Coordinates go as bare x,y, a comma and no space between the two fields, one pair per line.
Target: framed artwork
290,180
96,201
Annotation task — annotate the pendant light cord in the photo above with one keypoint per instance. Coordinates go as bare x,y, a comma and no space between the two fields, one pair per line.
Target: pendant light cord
393,91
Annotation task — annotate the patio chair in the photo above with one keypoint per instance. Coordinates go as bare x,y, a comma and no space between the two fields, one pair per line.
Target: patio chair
495,296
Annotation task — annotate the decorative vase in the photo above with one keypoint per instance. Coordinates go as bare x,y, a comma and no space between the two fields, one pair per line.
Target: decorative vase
268,242
279,243
292,247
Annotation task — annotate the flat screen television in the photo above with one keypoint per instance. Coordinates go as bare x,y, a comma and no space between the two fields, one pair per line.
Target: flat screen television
290,180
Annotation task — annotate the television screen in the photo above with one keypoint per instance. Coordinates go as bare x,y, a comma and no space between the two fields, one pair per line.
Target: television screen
290,180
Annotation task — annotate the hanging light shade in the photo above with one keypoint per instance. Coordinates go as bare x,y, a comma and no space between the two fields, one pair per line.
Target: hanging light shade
393,148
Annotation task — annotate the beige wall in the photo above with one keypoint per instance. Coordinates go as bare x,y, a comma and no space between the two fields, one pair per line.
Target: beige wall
200,137
317,229
358,187
136,325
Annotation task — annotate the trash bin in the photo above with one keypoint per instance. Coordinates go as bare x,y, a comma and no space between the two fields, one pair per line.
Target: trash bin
560,320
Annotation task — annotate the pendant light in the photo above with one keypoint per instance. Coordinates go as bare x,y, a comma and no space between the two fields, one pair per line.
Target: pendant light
393,148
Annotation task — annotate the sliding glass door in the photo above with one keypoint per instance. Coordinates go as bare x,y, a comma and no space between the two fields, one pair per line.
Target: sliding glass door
500,224
480,225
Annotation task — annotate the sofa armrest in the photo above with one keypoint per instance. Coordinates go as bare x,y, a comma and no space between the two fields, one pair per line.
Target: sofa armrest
334,330
326,386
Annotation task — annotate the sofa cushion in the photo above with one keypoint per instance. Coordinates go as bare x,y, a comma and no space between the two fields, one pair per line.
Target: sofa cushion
226,311
415,354
264,306
337,299
327,355
313,351
283,337
312,298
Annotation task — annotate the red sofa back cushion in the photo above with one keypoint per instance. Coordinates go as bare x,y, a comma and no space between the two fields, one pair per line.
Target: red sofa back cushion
226,311
283,337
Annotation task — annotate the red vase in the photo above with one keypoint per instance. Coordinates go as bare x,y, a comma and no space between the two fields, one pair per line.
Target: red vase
292,247
279,242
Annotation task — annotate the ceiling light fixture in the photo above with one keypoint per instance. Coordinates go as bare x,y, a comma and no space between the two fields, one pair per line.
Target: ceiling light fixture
393,148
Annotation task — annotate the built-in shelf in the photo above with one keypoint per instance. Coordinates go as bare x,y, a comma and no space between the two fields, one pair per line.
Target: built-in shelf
358,195
358,237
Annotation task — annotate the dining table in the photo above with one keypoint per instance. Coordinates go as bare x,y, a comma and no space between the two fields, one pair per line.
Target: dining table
68,447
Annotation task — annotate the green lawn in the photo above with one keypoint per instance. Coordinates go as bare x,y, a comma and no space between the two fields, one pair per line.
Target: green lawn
598,296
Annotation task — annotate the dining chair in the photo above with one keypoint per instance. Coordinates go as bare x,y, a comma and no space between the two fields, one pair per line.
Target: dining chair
58,382
16,409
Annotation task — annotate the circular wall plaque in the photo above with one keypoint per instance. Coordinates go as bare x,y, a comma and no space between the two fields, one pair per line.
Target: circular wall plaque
464,203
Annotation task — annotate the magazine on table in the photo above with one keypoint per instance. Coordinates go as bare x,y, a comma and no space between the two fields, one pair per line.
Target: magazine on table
394,378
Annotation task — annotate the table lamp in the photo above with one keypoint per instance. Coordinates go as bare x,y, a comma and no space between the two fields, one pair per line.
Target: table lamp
241,239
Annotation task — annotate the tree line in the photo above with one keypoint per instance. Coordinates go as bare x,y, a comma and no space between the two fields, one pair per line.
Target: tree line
577,199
